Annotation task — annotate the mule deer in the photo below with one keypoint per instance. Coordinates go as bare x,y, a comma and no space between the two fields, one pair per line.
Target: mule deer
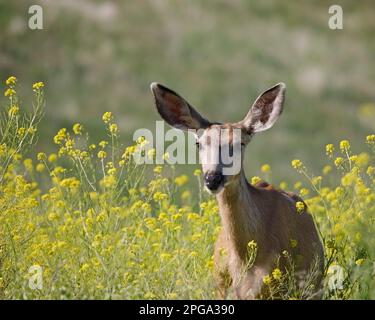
248,212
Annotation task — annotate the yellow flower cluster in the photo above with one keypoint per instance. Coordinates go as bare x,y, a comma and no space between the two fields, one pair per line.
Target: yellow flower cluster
370,139
300,206
91,224
330,149
344,145
255,180
265,168
101,226
9,92
11,81
297,164
13,111
37,86
277,274
77,128
107,117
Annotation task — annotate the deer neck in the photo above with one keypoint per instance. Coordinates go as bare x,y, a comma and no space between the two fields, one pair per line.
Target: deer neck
241,219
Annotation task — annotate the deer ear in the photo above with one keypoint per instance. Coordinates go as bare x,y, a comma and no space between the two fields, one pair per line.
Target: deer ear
175,110
265,110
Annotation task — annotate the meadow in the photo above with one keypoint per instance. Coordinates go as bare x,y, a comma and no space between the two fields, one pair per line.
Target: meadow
101,226
102,55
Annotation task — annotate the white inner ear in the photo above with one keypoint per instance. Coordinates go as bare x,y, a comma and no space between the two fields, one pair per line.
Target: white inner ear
257,125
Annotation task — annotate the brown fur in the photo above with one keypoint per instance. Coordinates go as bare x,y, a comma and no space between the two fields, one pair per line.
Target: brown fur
267,216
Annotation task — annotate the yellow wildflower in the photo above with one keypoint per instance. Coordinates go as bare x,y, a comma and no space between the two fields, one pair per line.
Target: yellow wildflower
196,236
21,131
41,156
330,149
370,139
255,180
344,145
193,254
146,207
304,192
102,216
267,280
102,144
113,128
28,163
13,111
252,245
31,130
316,180
185,195
339,161
181,180
362,159
9,92
11,81
158,169
52,157
149,296
108,181
327,169
297,164
359,262
84,267
165,256
298,185
107,117
349,179
61,136
151,153
283,185
37,86
77,128
159,196
102,154
197,172
277,274
172,295
52,216
40,167
300,206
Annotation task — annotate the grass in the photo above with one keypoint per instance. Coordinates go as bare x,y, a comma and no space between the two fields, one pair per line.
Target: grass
219,55
102,227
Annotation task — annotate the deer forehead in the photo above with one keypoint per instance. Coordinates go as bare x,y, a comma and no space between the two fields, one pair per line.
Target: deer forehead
218,134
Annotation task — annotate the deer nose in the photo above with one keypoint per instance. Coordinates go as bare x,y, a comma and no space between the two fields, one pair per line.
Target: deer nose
213,180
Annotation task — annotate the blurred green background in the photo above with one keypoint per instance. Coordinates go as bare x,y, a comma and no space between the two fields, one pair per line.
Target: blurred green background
97,56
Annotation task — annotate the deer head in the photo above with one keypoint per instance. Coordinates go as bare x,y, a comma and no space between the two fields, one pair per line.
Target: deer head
219,142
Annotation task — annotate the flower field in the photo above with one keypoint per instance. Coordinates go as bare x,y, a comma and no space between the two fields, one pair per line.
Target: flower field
102,227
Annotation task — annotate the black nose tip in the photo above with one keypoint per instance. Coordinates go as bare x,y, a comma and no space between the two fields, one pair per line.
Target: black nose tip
213,180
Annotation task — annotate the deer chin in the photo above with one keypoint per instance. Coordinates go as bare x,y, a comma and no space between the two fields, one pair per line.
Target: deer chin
226,183
216,191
